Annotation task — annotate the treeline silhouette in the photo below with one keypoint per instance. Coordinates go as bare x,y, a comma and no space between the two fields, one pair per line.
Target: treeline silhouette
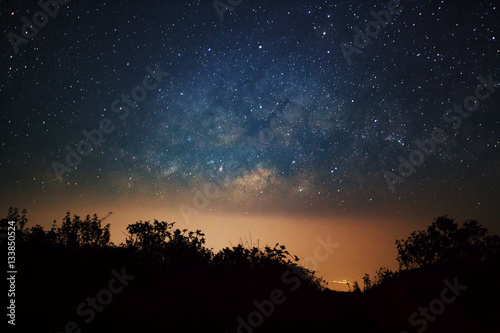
180,285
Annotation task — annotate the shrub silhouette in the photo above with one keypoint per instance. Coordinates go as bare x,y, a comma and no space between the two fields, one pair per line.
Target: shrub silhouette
270,262
89,232
73,233
384,275
444,243
148,238
182,286
157,240
255,257
13,215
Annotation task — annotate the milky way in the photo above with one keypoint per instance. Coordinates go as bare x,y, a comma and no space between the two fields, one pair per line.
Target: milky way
264,103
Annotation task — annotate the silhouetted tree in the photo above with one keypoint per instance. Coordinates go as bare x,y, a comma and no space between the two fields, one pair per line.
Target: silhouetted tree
159,241
13,215
75,232
444,242
148,237
182,245
367,282
37,237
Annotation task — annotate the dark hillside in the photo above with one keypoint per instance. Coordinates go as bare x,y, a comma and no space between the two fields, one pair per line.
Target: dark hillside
74,279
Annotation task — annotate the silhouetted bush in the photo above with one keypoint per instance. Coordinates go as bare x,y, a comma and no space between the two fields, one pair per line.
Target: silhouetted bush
384,275
89,232
444,242
182,286
13,215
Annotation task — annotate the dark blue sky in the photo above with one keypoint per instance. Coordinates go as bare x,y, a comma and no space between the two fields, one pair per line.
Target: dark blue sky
264,100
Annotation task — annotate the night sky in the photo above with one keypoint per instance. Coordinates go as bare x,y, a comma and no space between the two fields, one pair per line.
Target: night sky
264,119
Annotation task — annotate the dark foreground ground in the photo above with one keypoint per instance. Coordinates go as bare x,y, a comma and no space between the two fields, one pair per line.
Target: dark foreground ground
55,288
